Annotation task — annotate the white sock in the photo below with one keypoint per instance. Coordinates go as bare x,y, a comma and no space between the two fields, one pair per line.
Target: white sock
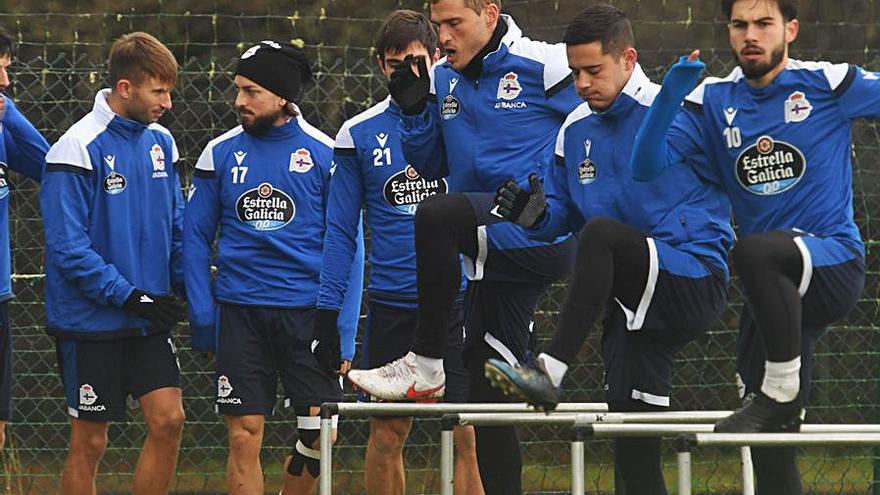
555,368
782,380
429,365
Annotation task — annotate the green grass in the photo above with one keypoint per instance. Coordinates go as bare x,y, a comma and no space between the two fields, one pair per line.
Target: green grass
716,472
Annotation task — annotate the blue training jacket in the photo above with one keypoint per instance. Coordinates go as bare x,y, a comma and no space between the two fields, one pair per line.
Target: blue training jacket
22,149
267,194
592,178
781,153
371,172
481,132
113,215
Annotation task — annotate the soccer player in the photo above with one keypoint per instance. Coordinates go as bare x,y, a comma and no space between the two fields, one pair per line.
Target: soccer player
23,149
372,171
775,135
264,185
113,214
652,256
487,111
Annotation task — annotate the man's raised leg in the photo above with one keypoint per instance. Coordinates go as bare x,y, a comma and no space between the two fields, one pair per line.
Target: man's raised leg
445,227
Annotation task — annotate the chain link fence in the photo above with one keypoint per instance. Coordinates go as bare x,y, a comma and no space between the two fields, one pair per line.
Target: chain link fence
60,65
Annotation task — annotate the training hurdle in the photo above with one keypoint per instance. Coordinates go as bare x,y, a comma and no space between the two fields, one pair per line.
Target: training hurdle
579,422
599,430
359,409
834,435
697,425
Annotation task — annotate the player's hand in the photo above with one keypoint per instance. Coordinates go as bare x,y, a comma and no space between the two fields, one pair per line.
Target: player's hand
689,63
522,207
346,367
325,343
410,87
162,311
2,106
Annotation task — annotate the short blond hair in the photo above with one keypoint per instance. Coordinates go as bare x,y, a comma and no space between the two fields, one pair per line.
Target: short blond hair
137,56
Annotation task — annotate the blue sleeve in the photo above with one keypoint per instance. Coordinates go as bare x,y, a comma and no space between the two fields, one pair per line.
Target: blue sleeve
422,142
200,223
858,95
563,97
562,215
651,155
26,148
66,195
178,284
349,314
340,239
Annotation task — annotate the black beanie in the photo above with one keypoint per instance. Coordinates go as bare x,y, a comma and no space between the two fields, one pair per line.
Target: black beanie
279,67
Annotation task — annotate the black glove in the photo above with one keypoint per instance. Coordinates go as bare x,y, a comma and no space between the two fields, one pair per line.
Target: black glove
162,311
408,89
520,206
325,345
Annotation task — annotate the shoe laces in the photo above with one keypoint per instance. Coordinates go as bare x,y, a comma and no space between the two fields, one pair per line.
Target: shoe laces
401,367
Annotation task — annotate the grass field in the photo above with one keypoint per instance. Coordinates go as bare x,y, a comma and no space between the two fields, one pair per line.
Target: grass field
716,472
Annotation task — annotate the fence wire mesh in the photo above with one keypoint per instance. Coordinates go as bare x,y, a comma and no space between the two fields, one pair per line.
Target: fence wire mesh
60,65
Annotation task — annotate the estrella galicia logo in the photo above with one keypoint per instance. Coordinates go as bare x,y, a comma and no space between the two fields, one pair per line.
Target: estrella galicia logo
114,183
4,185
450,107
265,208
770,167
406,189
586,171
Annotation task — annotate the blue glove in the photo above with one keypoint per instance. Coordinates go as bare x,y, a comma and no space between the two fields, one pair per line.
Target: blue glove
681,79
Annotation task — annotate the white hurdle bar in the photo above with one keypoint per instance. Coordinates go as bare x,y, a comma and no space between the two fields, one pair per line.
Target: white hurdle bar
832,435
580,422
600,430
360,409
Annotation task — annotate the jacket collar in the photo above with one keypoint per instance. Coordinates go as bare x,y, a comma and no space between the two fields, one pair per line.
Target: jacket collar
505,34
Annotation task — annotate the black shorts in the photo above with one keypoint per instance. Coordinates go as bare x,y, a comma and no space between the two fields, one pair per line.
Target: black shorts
5,363
506,254
682,298
831,284
390,331
506,280
255,345
99,376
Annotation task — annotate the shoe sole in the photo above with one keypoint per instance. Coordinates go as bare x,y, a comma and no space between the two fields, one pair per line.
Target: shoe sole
365,390
502,382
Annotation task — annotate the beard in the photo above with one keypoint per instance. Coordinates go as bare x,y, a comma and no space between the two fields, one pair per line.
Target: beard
260,124
757,70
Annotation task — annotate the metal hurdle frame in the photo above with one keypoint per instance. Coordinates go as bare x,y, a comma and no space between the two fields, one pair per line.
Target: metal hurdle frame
814,435
580,423
661,424
359,409
599,430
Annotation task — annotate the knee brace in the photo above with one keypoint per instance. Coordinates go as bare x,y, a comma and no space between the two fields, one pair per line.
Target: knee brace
303,456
